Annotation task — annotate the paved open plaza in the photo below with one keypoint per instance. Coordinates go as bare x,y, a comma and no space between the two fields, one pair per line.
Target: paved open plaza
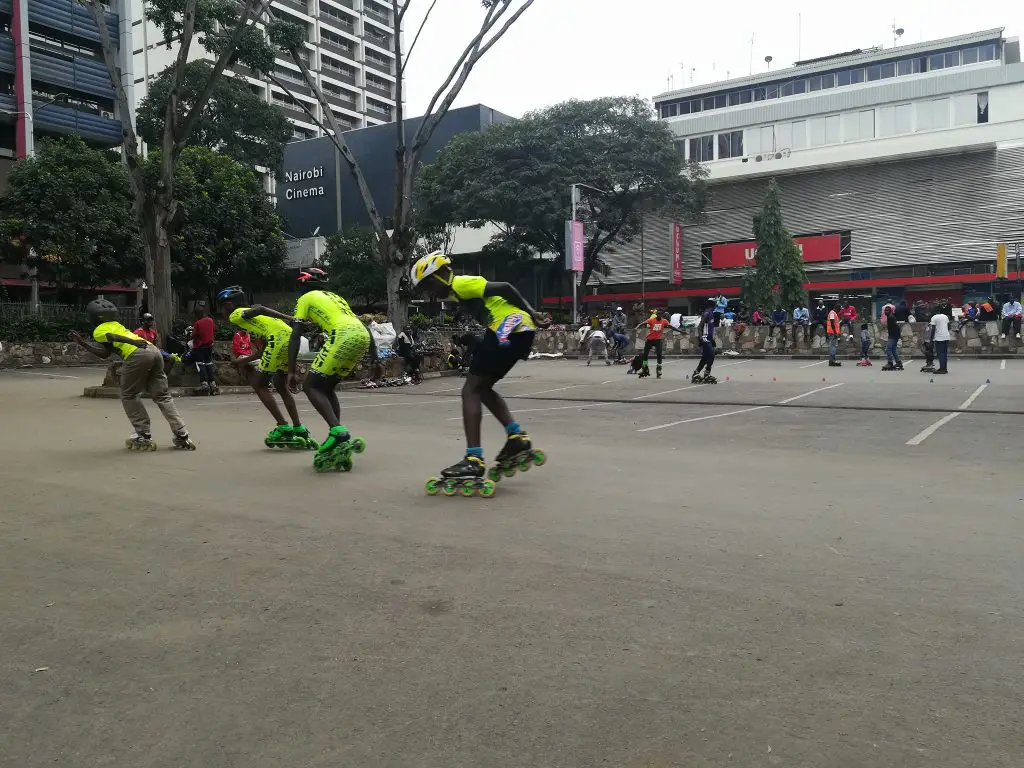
798,566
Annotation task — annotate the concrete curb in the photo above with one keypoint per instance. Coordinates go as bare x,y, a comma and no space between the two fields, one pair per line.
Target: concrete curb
113,393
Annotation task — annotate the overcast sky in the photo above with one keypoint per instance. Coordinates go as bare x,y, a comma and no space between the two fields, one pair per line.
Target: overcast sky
562,49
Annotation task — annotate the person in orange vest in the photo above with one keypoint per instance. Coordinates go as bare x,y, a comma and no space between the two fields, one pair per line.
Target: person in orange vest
832,333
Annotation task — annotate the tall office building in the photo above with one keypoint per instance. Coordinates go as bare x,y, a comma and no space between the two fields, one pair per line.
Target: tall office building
52,77
901,169
348,49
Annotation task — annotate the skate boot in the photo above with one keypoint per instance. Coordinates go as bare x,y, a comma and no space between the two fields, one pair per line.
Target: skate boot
465,477
709,379
658,371
183,442
335,453
140,442
888,367
214,389
518,454
928,368
697,378
204,388
302,439
645,371
899,366
834,364
280,436
607,361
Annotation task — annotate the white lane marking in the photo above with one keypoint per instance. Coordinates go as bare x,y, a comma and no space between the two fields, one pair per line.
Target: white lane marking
556,408
702,418
811,365
666,392
1002,365
929,431
610,381
47,375
735,362
545,391
808,394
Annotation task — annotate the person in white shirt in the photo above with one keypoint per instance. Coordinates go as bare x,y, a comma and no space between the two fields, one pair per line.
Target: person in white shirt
598,343
940,326
1012,312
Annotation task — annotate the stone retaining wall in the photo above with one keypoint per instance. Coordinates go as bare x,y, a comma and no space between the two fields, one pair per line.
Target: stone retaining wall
973,339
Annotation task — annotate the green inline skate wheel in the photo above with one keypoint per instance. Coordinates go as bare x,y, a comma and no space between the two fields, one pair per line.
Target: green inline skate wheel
524,464
345,463
432,487
358,445
509,471
539,458
488,489
449,488
494,475
468,488
321,463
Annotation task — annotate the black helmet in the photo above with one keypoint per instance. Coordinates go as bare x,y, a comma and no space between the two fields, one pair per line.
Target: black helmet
101,311
230,292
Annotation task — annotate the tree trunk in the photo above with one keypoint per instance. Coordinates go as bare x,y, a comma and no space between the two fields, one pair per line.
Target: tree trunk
158,267
398,305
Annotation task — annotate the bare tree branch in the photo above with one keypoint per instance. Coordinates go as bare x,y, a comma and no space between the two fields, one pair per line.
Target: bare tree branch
401,70
401,14
253,9
401,151
107,47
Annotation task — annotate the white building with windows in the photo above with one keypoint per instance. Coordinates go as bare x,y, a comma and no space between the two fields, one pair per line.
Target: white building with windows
349,49
900,170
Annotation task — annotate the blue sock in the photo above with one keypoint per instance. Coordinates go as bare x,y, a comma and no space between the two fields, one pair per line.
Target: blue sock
478,452
513,428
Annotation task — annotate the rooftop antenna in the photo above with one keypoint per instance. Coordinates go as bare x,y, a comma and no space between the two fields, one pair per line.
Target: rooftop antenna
768,61
751,53
799,36
693,74
670,81
897,33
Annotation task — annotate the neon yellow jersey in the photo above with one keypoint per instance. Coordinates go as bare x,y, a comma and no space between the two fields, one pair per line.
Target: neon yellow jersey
327,310
261,325
466,288
125,350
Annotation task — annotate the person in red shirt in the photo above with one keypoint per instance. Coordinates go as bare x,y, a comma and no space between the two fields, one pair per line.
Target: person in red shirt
847,317
146,330
202,351
656,327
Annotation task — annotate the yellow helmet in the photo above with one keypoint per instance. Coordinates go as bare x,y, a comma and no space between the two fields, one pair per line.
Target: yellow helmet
427,265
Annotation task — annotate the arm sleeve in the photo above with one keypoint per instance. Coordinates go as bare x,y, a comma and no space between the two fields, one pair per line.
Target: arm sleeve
302,308
467,287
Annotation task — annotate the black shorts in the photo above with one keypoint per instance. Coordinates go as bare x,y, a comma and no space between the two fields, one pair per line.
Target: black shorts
493,361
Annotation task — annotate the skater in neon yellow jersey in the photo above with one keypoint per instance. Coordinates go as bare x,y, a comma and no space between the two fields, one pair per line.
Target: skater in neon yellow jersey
272,364
142,371
511,323
347,342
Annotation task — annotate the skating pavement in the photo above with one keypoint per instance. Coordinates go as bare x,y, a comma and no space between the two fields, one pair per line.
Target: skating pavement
800,566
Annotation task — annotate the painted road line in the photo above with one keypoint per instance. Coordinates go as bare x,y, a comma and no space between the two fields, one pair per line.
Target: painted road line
703,418
734,362
555,408
546,391
811,365
929,431
1002,365
808,394
666,392
47,375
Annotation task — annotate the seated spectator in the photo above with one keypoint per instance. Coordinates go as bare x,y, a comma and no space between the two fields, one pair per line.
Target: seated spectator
987,310
1012,312
756,318
801,320
407,350
847,317
778,320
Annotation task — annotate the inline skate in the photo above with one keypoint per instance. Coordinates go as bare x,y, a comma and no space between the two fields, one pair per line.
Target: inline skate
140,442
517,455
287,436
335,453
465,478
645,371
183,442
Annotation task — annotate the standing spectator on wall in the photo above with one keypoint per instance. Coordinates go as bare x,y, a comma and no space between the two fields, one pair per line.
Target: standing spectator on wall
832,333
847,317
940,335
818,317
202,351
1012,312
801,320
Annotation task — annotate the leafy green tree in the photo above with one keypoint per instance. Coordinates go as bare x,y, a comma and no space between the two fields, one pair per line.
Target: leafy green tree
226,28
517,176
68,213
353,269
778,276
234,120
229,232
395,236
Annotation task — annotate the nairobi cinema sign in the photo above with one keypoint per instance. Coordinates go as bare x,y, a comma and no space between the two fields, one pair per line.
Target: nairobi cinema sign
307,182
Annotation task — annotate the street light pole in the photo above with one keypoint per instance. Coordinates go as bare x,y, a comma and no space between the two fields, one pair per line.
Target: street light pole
572,196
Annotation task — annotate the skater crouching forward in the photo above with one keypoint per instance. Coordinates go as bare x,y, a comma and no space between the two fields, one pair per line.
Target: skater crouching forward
141,371
510,328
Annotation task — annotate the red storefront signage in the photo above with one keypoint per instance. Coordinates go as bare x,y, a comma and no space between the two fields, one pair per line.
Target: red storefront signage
677,254
814,248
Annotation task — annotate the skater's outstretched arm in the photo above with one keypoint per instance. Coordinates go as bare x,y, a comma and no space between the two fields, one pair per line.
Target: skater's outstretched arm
259,309
508,292
99,350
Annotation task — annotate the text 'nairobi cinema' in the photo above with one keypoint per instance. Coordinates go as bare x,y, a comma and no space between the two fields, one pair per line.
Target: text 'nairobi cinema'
900,170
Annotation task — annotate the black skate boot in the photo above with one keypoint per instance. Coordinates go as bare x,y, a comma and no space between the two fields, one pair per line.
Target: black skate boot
214,389
928,368
517,455
183,442
658,371
204,388
465,477
644,372
899,366
709,379
696,377
888,367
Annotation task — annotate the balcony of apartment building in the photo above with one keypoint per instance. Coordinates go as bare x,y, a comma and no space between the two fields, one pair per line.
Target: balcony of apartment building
378,13
93,120
378,110
377,61
383,40
380,87
292,108
340,96
337,69
66,17
292,78
336,18
337,44
291,15
302,6
346,121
